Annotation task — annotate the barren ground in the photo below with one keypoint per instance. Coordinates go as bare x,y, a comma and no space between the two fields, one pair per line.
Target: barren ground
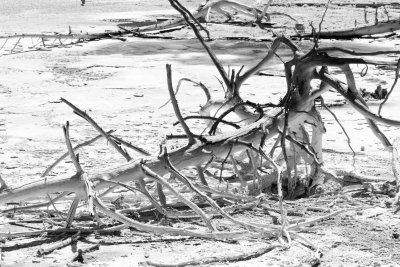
122,84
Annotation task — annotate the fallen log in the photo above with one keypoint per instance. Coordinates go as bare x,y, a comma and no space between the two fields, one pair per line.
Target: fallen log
392,4
380,28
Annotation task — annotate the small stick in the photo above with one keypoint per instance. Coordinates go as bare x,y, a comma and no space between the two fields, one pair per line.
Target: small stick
321,218
71,151
176,107
322,19
58,245
72,211
386,13
5,42
15,45
235,258
343,129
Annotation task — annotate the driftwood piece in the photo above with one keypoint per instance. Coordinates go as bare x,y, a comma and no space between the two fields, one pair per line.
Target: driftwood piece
380,28
58,245
374,4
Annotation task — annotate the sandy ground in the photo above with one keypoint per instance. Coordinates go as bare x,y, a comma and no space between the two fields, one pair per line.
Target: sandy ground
122,85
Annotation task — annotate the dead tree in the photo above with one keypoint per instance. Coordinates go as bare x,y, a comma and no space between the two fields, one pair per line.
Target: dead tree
294,123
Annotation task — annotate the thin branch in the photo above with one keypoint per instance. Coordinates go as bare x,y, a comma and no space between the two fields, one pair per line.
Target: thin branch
341,126
72,211
193,18
129,145
205,89
343,90
149,173
70,150
213,128
54,207
226,258
213,57
320,23
175,105
86,117
210,118
271,52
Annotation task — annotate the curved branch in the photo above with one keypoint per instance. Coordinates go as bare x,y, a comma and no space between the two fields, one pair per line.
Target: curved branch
176,107
275,45
213,57
223,115
205,89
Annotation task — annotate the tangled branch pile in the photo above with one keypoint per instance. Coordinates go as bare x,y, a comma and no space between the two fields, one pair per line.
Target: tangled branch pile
270,152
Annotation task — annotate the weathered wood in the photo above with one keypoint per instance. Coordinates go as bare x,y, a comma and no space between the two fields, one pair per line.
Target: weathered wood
380,28
392,4
58,245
